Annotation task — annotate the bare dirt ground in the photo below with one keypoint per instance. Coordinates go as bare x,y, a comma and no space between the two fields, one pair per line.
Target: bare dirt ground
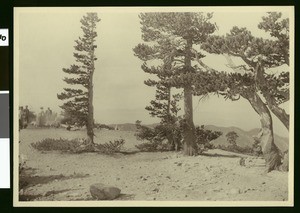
215,175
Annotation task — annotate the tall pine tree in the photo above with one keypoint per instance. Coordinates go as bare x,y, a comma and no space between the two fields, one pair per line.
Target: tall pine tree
79,99
172,35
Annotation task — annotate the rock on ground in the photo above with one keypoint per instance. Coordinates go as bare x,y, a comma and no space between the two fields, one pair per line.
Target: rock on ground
101,192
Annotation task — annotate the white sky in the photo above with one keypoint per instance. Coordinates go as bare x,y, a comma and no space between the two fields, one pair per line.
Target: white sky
46,45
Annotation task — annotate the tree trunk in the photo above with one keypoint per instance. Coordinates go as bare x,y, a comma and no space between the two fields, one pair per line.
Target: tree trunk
189,137
90,121
278,112
90,117
266,136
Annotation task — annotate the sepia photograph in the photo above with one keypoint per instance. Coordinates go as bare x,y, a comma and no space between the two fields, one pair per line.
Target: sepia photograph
154,106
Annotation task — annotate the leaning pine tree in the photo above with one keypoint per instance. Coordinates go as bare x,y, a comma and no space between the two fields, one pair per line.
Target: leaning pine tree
79,104
257,54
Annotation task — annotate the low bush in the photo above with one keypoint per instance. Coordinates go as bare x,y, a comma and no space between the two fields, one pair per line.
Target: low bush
204,137
147,147
154,147
111,147
77,146
65,145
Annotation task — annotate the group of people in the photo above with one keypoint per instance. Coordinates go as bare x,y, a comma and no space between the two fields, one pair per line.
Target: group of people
43,118
23,117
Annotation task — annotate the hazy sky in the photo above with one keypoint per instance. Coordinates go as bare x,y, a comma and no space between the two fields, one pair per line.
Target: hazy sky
46,45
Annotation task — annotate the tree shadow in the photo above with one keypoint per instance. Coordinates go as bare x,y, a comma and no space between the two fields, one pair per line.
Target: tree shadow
28,179
31,197
129,152
125,197
120,197
220,155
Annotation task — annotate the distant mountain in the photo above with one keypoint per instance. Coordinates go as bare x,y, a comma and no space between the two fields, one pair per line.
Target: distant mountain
245,137
129,126
124,127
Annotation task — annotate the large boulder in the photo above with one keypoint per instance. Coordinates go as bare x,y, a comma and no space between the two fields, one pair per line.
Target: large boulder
101,192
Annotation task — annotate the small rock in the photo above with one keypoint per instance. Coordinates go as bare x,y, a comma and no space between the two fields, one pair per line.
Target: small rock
179,164
186,196
156,190
117,178
168,177
217,189
101,192
242,162
263,182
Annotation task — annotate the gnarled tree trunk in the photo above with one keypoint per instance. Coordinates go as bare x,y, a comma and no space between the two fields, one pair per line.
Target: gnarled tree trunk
266,136
278,112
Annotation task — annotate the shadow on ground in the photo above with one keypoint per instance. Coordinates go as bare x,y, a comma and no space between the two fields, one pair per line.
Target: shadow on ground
220,155
27,178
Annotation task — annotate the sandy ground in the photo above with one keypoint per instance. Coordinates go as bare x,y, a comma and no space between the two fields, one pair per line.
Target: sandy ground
216,175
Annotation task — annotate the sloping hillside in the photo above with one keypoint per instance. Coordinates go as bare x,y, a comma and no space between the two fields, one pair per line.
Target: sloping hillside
245,137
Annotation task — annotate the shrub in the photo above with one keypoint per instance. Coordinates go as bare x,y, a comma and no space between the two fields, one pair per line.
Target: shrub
49,144
111,147
231,137
77,146
147,147
163,137
204,136
256,147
